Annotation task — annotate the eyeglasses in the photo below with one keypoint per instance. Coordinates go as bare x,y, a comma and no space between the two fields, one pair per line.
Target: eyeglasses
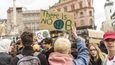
110,40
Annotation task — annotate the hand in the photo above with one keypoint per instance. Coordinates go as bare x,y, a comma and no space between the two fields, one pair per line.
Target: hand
74,32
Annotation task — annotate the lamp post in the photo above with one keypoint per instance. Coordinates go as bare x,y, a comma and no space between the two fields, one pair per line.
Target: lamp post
15,30
14,12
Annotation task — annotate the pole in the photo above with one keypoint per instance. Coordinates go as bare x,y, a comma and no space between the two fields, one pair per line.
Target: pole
15,30
14,12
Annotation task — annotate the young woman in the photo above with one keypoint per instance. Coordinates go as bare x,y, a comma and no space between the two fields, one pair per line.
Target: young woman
96,56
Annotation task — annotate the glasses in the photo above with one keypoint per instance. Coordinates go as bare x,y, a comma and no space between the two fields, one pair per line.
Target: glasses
110,40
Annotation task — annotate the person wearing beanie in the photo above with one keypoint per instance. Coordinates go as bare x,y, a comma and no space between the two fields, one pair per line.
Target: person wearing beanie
5,48
109,41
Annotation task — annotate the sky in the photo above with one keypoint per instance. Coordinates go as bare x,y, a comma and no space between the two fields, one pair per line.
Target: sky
45,4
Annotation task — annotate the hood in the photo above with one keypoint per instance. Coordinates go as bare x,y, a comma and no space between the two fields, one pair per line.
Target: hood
56,58
5,45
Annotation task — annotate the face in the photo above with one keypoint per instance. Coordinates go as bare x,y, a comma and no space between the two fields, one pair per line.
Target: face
110,44
46,46
93,51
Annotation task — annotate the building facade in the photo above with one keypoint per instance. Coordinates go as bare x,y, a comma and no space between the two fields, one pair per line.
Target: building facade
82,10
26,20
3,27
31,19
109,11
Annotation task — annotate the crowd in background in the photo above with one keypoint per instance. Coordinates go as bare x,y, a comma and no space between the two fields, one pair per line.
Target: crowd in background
62,51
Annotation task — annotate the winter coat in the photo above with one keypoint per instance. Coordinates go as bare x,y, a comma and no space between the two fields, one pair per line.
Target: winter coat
28,51
5,58
57,58
83,54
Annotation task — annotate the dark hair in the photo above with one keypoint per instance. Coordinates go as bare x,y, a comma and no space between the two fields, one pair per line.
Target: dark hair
47,41
27,38
18,42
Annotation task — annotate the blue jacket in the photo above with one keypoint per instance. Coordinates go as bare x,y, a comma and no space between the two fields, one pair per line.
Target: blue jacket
83,54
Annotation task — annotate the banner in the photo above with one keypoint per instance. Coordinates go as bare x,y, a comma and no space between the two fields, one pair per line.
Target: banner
56,20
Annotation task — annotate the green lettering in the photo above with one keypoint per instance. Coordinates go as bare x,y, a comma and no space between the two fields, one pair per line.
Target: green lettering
44,21
50,21
68,25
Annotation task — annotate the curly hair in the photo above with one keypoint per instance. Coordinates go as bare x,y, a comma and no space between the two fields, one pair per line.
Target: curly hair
27,38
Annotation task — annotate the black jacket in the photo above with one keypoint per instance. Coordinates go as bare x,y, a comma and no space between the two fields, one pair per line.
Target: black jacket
5,58
27,51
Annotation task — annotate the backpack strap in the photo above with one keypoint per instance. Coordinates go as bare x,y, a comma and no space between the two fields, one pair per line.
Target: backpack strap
20,56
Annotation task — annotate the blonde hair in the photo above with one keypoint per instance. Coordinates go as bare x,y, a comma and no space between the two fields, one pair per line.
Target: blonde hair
99,52
36,47
62,45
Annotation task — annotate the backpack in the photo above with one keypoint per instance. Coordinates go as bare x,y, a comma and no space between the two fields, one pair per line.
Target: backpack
28,60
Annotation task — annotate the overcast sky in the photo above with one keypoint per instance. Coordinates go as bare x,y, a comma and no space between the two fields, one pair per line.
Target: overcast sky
45,4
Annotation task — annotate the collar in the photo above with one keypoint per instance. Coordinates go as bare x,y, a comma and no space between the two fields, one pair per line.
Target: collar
111,58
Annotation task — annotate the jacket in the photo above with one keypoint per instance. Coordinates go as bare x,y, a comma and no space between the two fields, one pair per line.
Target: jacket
57,58
83,54
5,58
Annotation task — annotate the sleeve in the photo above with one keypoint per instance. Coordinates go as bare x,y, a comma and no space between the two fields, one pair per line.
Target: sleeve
14,61
83,54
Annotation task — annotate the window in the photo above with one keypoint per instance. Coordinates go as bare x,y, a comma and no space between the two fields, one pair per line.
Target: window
80,4
82,22
81,14
65,8
110,11
72,7
91,21
89,3
90,13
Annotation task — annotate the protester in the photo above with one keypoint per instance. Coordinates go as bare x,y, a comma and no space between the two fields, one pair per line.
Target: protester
109,41
102,47
40,55
96,55
48,46
61,56
5,58
82,57
27,51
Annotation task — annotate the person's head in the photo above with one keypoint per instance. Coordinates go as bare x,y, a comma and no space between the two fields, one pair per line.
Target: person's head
109,40
94,51
47,43
62,45
5,45
36,47
27,38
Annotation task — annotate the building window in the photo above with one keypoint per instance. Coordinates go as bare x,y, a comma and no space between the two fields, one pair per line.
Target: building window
90,13
73,7
110,11
91,21
80,4
81,14
89,3
65,8
82,22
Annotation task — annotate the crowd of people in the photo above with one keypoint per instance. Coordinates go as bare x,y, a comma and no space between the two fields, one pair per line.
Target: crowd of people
62,51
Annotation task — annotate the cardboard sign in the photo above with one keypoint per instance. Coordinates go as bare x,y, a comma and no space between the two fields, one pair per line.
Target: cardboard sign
42,34
56,20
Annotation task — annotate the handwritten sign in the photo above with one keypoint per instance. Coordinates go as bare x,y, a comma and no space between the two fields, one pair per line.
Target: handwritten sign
42,34
56,20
